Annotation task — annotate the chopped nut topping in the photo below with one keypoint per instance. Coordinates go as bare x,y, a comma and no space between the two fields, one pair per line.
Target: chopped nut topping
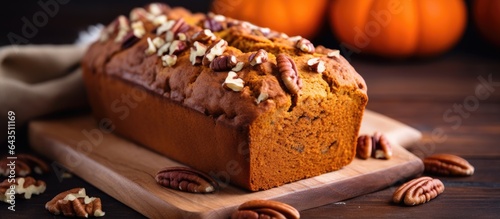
165,27
180,26
223,63
123,28
177,46
138,28
151,47
129,40
169,37
249,26
305,45
160,20
334,53
212,24
169,60
182,36
258,57
233,82
238,67
265,30
155,8
217,17
294,39
316,65
158,42
198,50
204,35
163,49
140,14
216,49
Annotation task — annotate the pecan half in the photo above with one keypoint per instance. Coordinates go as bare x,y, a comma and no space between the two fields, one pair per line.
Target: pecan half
186,179
447,165
377,146
223,63
418,191
382,149
75,202
364,147
289,73
265,209
24,186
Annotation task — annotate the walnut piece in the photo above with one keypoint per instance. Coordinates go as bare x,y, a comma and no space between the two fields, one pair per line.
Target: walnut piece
186,179
289,73
418,191
75,202
24,186
265,209
447,165
233,82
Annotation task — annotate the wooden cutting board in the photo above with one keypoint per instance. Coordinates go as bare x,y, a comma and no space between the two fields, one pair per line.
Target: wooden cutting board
126,171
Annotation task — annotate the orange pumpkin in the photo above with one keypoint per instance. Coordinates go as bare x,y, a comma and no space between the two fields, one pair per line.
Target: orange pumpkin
487,18
293,17
399,28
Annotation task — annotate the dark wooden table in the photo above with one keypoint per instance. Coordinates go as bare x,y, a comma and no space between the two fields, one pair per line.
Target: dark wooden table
437,97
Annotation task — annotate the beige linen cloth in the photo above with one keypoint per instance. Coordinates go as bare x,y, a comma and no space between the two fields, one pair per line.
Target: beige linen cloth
36,80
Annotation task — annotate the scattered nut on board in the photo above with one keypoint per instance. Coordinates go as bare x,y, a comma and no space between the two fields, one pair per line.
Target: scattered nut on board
376,146
256,209
418,191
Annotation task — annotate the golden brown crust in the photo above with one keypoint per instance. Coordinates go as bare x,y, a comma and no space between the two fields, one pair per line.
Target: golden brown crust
131,63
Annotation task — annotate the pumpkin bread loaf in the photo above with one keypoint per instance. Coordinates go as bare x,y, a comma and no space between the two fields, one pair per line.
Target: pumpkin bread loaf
246,104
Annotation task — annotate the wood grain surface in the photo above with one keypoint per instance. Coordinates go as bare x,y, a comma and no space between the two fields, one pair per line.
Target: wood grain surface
126,171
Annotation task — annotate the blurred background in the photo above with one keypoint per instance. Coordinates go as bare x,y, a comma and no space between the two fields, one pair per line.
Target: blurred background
326,22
